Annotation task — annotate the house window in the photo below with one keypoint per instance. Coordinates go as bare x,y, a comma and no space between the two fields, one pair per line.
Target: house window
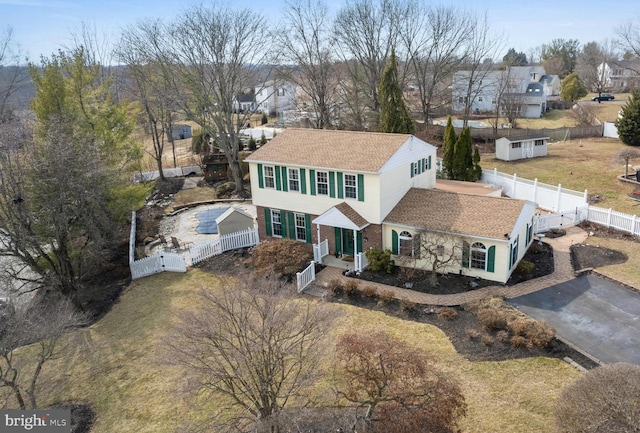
479,98
294,179
460,100
539,142
517,145
440,250
269,177
301,229
322,182
478,256
280,92
416,170
350,186
405,247
276,223
514,253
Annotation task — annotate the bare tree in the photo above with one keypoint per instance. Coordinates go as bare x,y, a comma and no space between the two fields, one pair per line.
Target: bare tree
624,156
307,44
629,38
434,39
433,249
591,66
215,54
42,325
13,75
605,399
366,31
254,344
386,377
482,47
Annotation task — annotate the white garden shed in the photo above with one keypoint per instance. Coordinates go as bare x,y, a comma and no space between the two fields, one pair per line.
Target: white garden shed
514,148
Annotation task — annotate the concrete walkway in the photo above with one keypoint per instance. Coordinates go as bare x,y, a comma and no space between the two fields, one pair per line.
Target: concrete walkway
563,272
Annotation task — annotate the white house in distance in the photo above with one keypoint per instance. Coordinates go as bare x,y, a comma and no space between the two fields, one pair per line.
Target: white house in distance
180,132
514,148
275,97
360,190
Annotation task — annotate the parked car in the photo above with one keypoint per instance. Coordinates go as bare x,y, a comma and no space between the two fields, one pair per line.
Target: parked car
603,97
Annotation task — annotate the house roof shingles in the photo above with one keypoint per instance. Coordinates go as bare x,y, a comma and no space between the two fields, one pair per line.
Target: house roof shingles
353,216
342,150
464,214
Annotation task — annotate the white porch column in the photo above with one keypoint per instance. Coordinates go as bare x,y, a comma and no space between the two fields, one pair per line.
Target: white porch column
355,242
318,231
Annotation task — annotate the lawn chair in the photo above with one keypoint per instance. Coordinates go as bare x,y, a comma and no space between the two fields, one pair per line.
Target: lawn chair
179,245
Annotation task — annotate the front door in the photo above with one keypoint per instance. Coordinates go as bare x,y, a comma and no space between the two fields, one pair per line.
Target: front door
347,242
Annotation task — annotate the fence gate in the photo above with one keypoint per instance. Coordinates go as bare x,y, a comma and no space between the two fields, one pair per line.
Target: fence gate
559,220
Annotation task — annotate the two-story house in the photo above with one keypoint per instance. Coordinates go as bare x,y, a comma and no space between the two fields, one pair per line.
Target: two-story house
360,190
275,97
620,75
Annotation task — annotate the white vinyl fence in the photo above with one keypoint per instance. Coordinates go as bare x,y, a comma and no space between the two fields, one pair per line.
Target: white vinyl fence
320,250
361,262
177,262
168,172
306,277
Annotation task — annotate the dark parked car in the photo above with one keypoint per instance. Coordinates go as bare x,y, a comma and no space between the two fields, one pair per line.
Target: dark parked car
603,97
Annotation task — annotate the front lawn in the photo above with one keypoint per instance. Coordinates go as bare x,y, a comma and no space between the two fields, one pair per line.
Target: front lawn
119,366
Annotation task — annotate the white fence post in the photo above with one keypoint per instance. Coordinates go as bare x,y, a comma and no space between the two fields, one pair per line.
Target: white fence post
513,186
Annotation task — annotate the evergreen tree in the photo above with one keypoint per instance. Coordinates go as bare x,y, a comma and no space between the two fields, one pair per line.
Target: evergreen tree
572,88
448,149
477,170
252,143
628,122
463,157
394,115
263,140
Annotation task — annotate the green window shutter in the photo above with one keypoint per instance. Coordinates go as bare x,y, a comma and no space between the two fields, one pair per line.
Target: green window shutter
423,165
278,178
312,181
340,191
332,184
465,254
285,179
338,236
527,237
429,163
303,181
491,258
292,225
307,225
361,187
260,178
412,169
283,223
394,241
267,221
359,242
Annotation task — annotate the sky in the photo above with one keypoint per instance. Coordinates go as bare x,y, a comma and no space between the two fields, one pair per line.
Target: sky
41,27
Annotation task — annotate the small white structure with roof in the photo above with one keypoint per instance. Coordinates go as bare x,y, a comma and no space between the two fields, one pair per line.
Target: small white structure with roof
234,220
514,148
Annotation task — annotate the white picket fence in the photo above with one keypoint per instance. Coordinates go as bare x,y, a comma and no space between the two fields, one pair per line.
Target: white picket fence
168,172
177,262
231,241
360,262
543,223
614,219
320,250
306,277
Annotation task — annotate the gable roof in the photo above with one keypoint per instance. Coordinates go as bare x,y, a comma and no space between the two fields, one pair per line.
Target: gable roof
345,150
343,216
463,214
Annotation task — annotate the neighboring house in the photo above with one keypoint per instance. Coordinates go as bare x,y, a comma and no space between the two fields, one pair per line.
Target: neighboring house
275,97
360,190
234,220
180,132
524,91
245,103
621,75
514,148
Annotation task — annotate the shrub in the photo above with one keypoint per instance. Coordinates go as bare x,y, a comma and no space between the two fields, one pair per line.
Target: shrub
370,292
492,319
472,333
283,257
350,288
540,333
502,336
524,268
225,190
264,119
487,340
334,287
386,295
407,306
519,326
379,260
447,313
520,341
252,143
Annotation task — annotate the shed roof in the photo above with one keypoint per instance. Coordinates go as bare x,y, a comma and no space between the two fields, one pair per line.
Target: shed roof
346,150
524,138
462,214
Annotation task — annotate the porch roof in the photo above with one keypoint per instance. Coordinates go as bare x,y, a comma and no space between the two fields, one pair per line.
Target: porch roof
343,216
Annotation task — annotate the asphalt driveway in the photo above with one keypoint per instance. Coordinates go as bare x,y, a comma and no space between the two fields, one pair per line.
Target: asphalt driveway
597,316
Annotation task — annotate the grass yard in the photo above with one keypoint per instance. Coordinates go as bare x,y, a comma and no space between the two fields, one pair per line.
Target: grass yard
577,164
626,272
552,119
119,366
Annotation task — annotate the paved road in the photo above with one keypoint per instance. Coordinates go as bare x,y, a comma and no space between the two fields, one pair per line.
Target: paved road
598,316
